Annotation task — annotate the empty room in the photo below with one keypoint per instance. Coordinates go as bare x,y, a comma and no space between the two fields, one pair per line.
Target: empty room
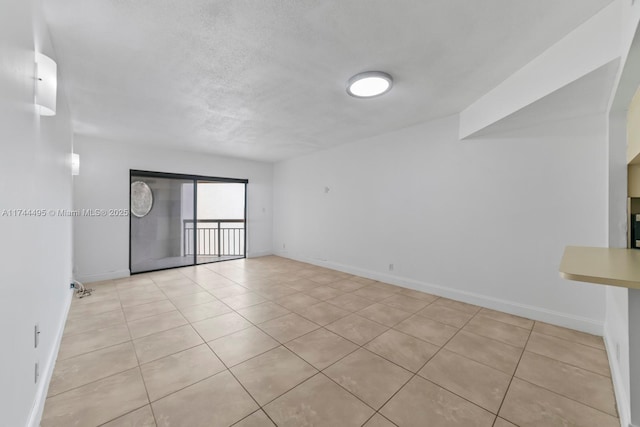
320,213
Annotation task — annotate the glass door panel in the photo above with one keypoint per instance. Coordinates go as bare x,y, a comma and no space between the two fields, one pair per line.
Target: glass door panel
158,236
220,220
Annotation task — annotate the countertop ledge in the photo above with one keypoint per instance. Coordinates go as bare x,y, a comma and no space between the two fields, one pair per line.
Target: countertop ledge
606,266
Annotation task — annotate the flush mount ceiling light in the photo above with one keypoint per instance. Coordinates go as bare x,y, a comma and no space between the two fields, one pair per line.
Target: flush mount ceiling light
369,84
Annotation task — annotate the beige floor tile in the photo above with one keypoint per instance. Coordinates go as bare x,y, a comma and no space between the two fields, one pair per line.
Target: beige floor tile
350,302
218,401
86,342
496,354
500,331
210,283
161,322
324,292
97,402
192,299
402,349
474,381
387,286
321,348
229,291
457,305
288,327
426,329
262,312
260,283
146,310
324,313
346,285
79,311
302,285
569,335
81,370
131,299
318,402
325,278
404,302
384,314
178,290
575,383
446,315
503,423
582,356
257,419
242,345
528,405
570,367
169,279
357,329
277,291
363,280
243,300
368,376
297,302
172,373
373,293
379,421
219,326
196,313
141,293
164,343
142,417
418,295
102,285
422,400
91,323
272,373
506,318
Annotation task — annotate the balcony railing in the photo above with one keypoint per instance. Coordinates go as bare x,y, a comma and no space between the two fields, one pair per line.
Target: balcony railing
215,237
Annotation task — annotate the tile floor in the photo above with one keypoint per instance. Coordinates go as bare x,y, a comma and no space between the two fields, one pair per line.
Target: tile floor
267,341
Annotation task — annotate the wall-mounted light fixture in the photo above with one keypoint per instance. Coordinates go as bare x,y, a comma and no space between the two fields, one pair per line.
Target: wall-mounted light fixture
46,85
369,84
75,164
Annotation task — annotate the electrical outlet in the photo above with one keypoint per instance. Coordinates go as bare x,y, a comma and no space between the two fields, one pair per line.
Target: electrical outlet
391,267
36,373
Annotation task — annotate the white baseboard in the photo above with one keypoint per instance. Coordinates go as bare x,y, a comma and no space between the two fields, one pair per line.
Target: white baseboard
531,312
45,374
259,254
98,277
622,399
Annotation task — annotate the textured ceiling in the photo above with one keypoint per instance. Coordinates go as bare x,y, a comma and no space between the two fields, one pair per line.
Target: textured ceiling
265,79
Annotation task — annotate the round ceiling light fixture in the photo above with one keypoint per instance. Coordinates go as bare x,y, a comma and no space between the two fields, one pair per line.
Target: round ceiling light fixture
369,84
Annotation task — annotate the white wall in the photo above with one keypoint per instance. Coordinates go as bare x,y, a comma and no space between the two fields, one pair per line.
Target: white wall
102,243
35,251
617,326
483,221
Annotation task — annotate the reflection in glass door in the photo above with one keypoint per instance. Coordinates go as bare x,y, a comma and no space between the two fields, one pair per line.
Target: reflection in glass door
180,220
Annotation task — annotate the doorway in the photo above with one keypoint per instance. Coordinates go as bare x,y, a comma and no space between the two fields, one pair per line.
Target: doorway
180,220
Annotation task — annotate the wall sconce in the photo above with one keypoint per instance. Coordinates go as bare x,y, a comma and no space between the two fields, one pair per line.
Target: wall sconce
46,85
75,164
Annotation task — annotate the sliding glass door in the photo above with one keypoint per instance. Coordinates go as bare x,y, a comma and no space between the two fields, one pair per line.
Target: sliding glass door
221,221
180,220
